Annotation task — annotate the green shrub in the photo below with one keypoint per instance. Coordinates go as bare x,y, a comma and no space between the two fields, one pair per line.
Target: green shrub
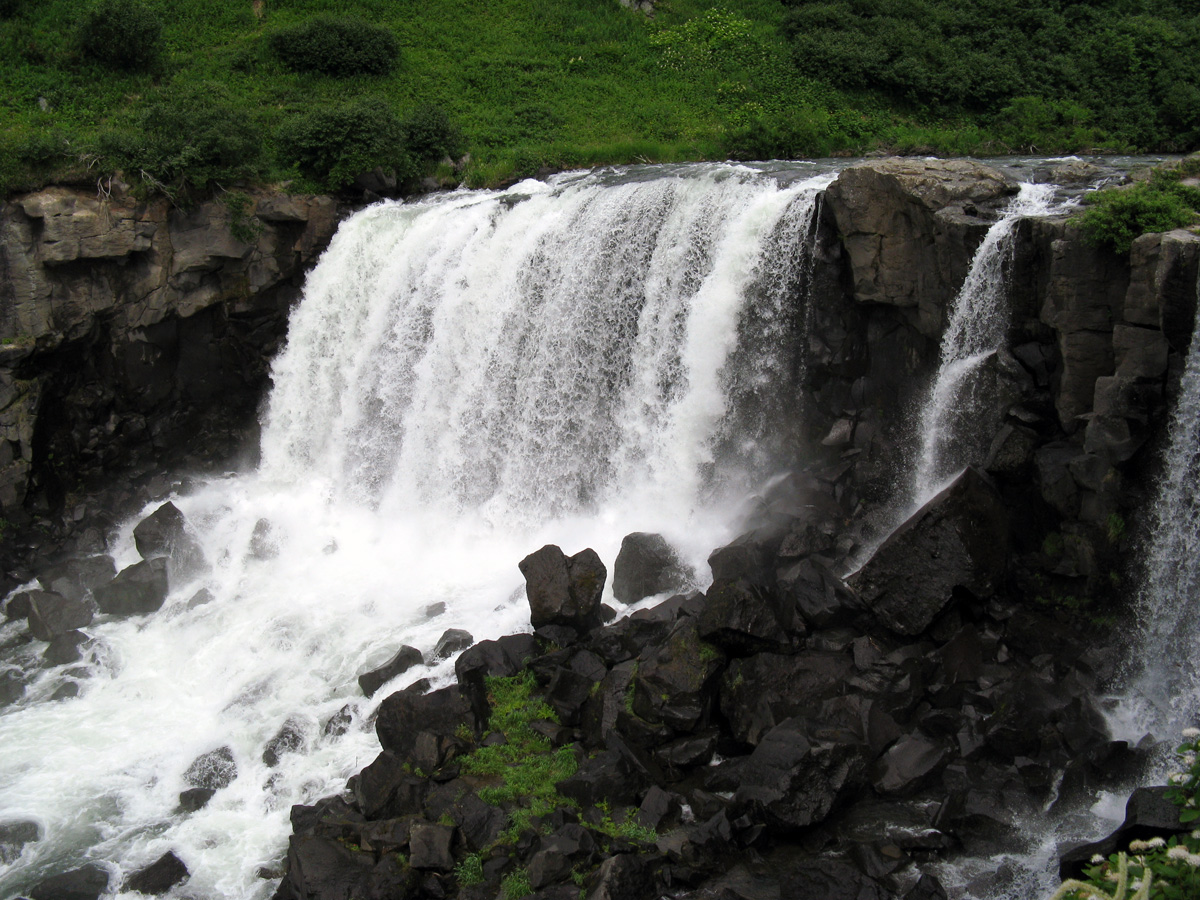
338,47
1117,216
334,144
429,135
189,141
9,8
125,35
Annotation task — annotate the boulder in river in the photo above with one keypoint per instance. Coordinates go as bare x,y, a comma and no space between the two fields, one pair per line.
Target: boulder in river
564,590
647,565
165,532
138,590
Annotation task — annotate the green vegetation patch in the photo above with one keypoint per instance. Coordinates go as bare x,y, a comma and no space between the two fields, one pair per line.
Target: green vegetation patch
526,768
341,48
1116,217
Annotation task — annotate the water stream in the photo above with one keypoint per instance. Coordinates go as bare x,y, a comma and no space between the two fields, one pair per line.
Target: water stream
467,378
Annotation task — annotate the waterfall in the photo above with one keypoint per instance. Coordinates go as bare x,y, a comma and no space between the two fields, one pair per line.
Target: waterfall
466,378
1165,690
959,400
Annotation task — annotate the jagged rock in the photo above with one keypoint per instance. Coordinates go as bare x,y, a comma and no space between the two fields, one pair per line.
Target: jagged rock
288,739
88,882
66,648
388,788
137,590
906,231
908,764
165,532
647,565
51,615
622,877
821,599
75,577
406,657
213,770
564,591
959,539
558,854
406,714
1148,814
761,691
194,798
429,847
672,684
452,641
263,543
743,618
794,781
822,878
18,606
13,838
339,723
158,877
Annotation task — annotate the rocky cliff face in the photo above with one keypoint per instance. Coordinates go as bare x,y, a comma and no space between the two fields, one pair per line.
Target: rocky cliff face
134,335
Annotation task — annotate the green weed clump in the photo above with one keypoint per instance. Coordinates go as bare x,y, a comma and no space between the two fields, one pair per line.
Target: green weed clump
125,35
333,144
189,142
1117,216
527,767
340,47
1158,868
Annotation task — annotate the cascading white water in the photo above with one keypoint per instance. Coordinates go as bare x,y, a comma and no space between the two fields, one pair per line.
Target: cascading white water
1165,683
957,404
466,379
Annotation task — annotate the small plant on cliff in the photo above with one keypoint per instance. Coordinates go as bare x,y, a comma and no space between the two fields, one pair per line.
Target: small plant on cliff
1116,217
1159,868
516,885
125,35
338,47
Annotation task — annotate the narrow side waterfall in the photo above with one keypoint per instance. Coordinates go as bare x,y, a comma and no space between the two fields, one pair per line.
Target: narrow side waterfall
959,400
466,379
1165,684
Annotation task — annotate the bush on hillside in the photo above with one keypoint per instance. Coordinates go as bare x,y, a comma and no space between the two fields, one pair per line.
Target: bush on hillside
429,135
334,144
124,35
1118,216
338,47
9,8
190,141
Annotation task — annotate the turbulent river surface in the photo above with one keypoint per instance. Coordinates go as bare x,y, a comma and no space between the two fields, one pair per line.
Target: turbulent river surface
467,378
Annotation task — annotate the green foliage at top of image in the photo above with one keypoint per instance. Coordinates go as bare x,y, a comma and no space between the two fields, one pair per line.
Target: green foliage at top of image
1117,216
526,84
341,47
123,35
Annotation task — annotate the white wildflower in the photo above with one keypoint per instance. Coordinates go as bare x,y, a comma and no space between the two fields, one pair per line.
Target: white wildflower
1179,852
1189,759
1193,860
1154,843
1138,846
1097,859
1177,778
1191,733
1196,835
1110,875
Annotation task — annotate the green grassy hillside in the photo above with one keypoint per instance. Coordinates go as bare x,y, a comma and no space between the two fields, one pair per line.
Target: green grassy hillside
185,95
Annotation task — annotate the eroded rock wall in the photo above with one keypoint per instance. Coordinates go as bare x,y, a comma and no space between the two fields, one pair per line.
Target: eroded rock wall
133,334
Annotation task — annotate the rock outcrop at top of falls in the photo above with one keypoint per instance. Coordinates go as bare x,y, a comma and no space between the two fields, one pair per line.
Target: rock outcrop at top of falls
133,334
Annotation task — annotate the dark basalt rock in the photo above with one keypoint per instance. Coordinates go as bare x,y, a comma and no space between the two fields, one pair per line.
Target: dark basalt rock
794,780
743,618
213,770
339,723
263,544
86,883
647,565
158,877
429,847
671,686
1148,814
18,606
165,532
51,615
959,539
452,641
911,762
194,799
406,714
75,577
13,838
288,739
66,648
564,591
137,590
406,657
623,877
